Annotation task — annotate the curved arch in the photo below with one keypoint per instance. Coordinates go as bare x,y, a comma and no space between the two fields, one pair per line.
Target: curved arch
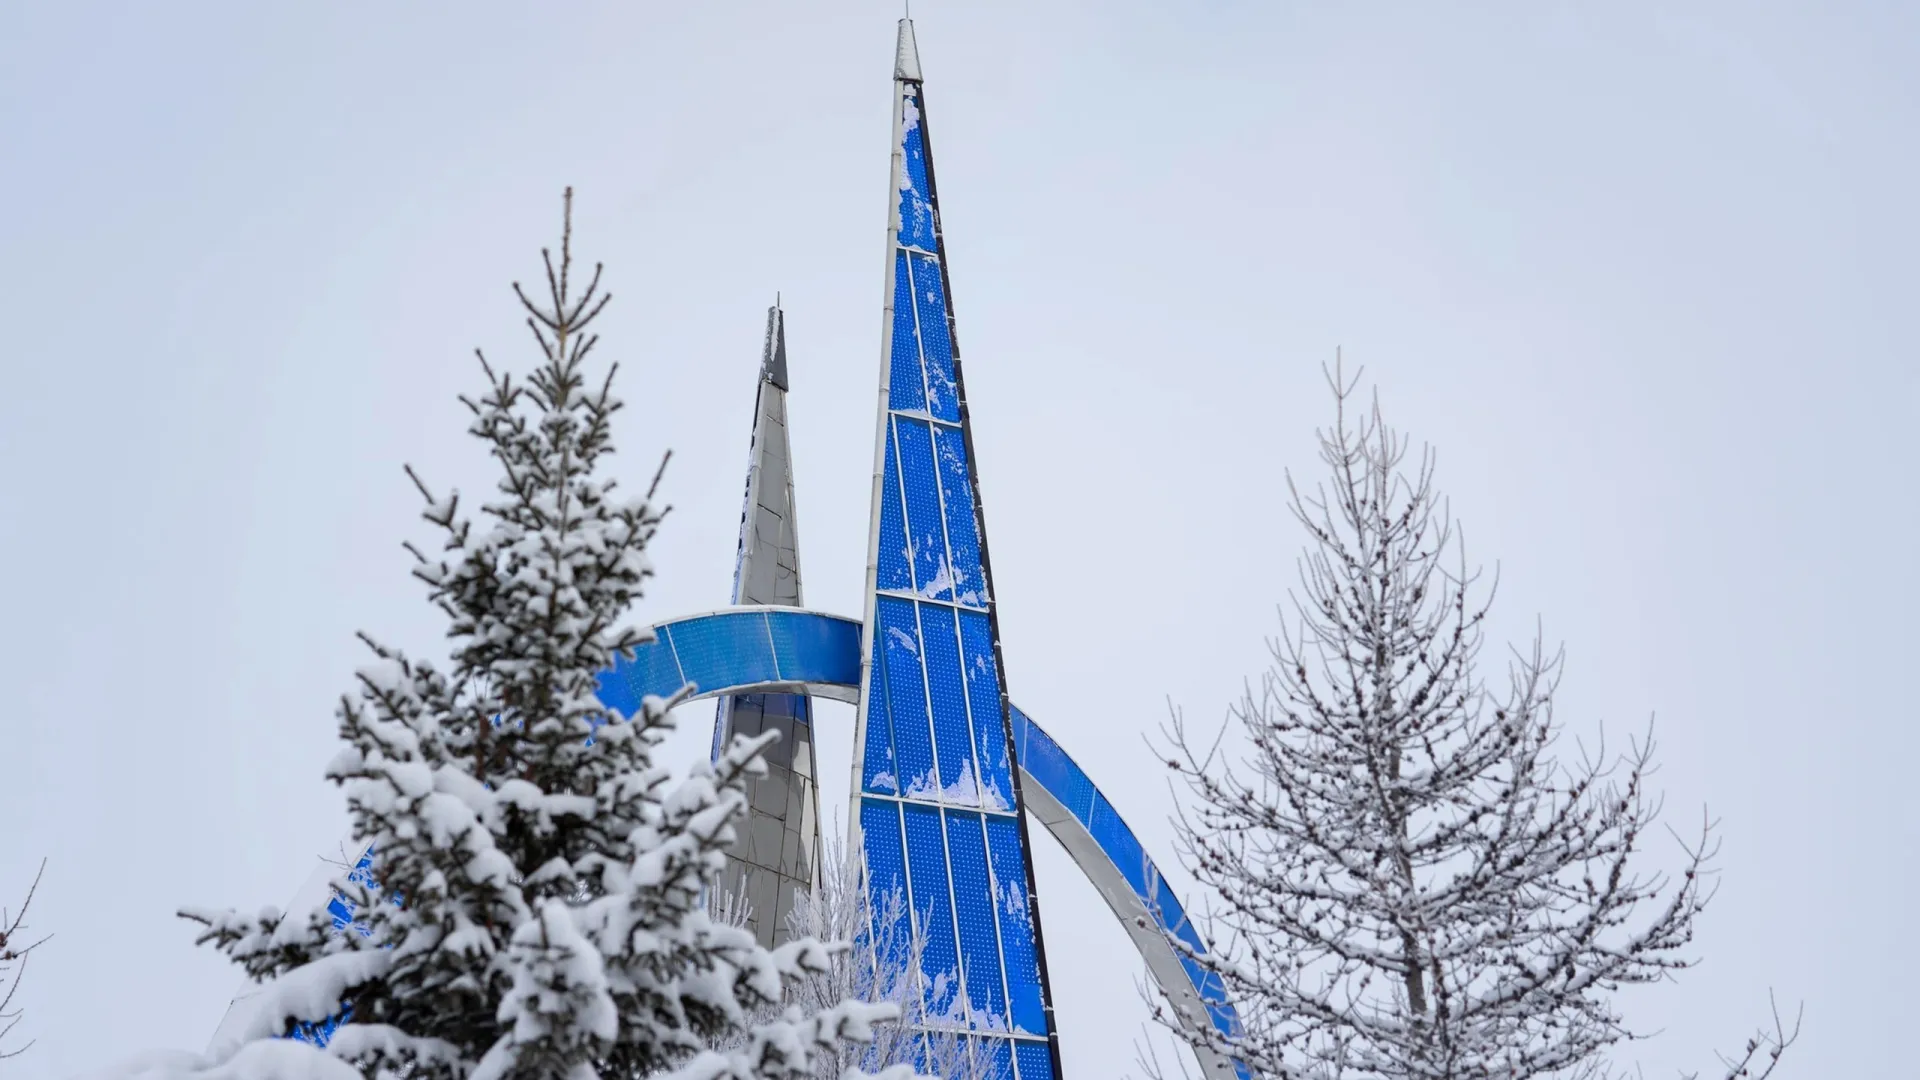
762,648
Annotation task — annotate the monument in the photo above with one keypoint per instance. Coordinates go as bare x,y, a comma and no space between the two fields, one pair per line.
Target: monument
947,772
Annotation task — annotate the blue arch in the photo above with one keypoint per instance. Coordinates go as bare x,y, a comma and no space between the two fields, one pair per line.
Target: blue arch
757,649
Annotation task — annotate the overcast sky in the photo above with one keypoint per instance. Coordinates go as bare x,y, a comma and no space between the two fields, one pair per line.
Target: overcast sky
1643,274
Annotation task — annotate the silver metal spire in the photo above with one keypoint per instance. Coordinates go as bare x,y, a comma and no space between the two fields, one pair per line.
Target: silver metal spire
778,851
906,56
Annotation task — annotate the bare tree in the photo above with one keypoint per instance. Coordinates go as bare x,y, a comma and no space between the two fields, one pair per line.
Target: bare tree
14,952
1410,881
878,953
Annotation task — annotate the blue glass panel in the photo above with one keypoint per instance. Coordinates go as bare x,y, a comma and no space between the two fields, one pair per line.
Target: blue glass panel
1172,914
952,741
1212,990
933,907
969,583
895,569
886,868
916,195
973,900
906,695
815,648
1056,773
925,533
718,651
1016,924
983,698
936,343
906,390
651,671
878,770
994,1058
793,707
1036,1061
1122,848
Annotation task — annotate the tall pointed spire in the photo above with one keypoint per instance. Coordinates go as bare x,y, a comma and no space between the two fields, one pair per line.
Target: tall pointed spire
773,363
778,852
906,55
937,803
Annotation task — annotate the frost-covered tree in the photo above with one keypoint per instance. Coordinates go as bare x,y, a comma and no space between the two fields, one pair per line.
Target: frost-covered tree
881,960
539,910
1411,878
15,947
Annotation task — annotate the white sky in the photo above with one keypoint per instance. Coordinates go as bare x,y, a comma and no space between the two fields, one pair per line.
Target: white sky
1644,277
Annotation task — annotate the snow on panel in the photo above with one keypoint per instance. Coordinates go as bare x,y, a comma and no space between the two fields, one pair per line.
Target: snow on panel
973,899
906,696
936,342
933,908
916,194
1011,907
926,528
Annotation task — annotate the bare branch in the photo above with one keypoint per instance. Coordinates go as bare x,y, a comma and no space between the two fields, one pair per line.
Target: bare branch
14,954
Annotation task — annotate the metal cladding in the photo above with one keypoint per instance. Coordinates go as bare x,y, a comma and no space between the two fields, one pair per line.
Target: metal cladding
777,852
937,805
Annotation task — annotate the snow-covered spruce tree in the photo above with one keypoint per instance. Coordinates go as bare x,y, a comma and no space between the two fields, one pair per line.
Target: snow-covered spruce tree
540,906
882,961
1408,881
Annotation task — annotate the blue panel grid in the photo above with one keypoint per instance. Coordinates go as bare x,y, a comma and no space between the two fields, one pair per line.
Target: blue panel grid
1016,924
1043,759
931,577
713,654
878,769
1036,1062
906,390
969,584
936,343
651,671
816,649
894,557
906,696
1172,914
886,869
973,900
952,739
1119,844
994,1058
983,698
916,195
933,908
1020,725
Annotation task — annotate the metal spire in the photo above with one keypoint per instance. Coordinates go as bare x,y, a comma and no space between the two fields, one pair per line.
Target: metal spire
906,55
773,361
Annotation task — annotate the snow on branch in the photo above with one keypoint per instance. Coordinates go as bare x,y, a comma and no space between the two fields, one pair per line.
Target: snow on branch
539,903
1411,877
